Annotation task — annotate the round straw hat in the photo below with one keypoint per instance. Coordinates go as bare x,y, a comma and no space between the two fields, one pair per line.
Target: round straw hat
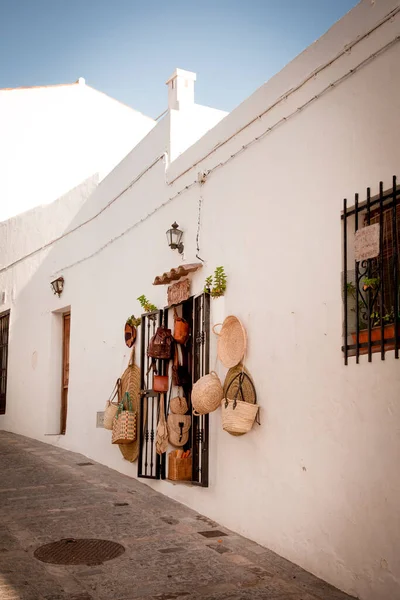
231,385
232,341
130,382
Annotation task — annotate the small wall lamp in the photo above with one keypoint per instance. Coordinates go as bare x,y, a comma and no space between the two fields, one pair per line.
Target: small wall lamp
58,286
174,237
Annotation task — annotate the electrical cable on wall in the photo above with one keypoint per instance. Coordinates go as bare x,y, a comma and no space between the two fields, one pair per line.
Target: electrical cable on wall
198,228
231,157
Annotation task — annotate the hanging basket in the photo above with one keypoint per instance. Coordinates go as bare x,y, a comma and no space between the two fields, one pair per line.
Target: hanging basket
232,341
207,394
238,416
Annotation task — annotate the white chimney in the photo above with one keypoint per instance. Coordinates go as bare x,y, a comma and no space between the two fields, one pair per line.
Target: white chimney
181,89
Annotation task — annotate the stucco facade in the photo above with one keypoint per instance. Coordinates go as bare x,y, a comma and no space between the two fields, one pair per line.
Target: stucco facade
55,137
319,477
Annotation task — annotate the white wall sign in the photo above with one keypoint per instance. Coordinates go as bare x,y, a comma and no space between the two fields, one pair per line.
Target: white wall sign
366,242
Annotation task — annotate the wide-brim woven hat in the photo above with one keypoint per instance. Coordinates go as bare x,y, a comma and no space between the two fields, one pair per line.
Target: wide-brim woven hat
130,382
231,385
232,342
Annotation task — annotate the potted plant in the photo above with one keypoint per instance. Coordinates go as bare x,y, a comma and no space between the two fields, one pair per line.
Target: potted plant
370,285
215,285
147,306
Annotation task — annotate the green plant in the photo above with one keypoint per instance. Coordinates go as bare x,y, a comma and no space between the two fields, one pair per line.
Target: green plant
371,283
215,285
133,321
146,305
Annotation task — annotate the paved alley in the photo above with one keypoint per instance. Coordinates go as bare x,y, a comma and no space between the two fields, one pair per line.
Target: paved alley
171,552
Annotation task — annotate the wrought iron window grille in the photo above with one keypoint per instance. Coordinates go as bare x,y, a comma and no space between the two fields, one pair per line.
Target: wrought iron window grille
370,286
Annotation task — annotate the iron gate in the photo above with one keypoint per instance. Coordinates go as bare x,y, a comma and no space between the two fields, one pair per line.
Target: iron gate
150,464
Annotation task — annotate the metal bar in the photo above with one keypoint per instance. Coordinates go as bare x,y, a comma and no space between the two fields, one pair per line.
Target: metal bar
374,202
357,299
395,271
345,279
163,459
152,438
369,275
142,398
381,271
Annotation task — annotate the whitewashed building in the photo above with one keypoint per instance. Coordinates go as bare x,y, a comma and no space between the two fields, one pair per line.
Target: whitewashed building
55,137
262,194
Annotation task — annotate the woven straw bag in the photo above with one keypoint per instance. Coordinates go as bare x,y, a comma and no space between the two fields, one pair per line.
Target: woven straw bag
207,394
124,426
162,429
130,382
238,416
178,429
232,341
178,405
112,407
179,469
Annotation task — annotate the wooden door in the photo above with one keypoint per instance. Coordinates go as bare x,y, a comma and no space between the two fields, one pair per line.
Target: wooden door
4,330
65,371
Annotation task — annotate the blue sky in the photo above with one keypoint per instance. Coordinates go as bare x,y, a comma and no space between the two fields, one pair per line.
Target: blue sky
128,48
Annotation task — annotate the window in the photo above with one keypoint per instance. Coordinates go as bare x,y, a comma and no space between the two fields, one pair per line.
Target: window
196,311
371,275
4,334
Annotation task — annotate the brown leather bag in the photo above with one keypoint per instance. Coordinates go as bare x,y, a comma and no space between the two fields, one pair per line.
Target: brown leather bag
180,373
160,345
160,383
181,329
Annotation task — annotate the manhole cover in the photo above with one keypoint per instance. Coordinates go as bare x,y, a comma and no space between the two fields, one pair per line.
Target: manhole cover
78,552
212,534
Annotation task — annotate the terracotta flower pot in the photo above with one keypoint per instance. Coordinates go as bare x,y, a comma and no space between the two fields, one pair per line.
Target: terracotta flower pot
388,334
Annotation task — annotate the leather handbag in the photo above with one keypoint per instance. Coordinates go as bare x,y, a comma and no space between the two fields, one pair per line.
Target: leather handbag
160,383
160,345
181,329
178,429
180,373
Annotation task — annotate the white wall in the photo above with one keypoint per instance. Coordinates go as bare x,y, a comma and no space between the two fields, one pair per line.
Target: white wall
55,137
321,472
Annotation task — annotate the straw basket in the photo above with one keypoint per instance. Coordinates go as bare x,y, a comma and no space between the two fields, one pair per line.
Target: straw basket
232,341
130,382
239,408
109,414
207,394
234,385
179,469
238,419
178,405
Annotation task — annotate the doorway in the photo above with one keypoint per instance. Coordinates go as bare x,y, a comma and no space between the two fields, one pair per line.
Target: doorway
65,371
4,332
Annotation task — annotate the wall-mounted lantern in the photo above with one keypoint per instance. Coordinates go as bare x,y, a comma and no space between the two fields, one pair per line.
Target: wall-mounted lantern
58,286
174,237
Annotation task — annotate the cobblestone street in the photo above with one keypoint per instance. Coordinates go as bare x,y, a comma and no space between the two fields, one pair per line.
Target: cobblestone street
48,494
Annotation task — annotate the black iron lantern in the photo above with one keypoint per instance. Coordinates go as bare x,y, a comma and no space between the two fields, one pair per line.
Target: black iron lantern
174,237
58,286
